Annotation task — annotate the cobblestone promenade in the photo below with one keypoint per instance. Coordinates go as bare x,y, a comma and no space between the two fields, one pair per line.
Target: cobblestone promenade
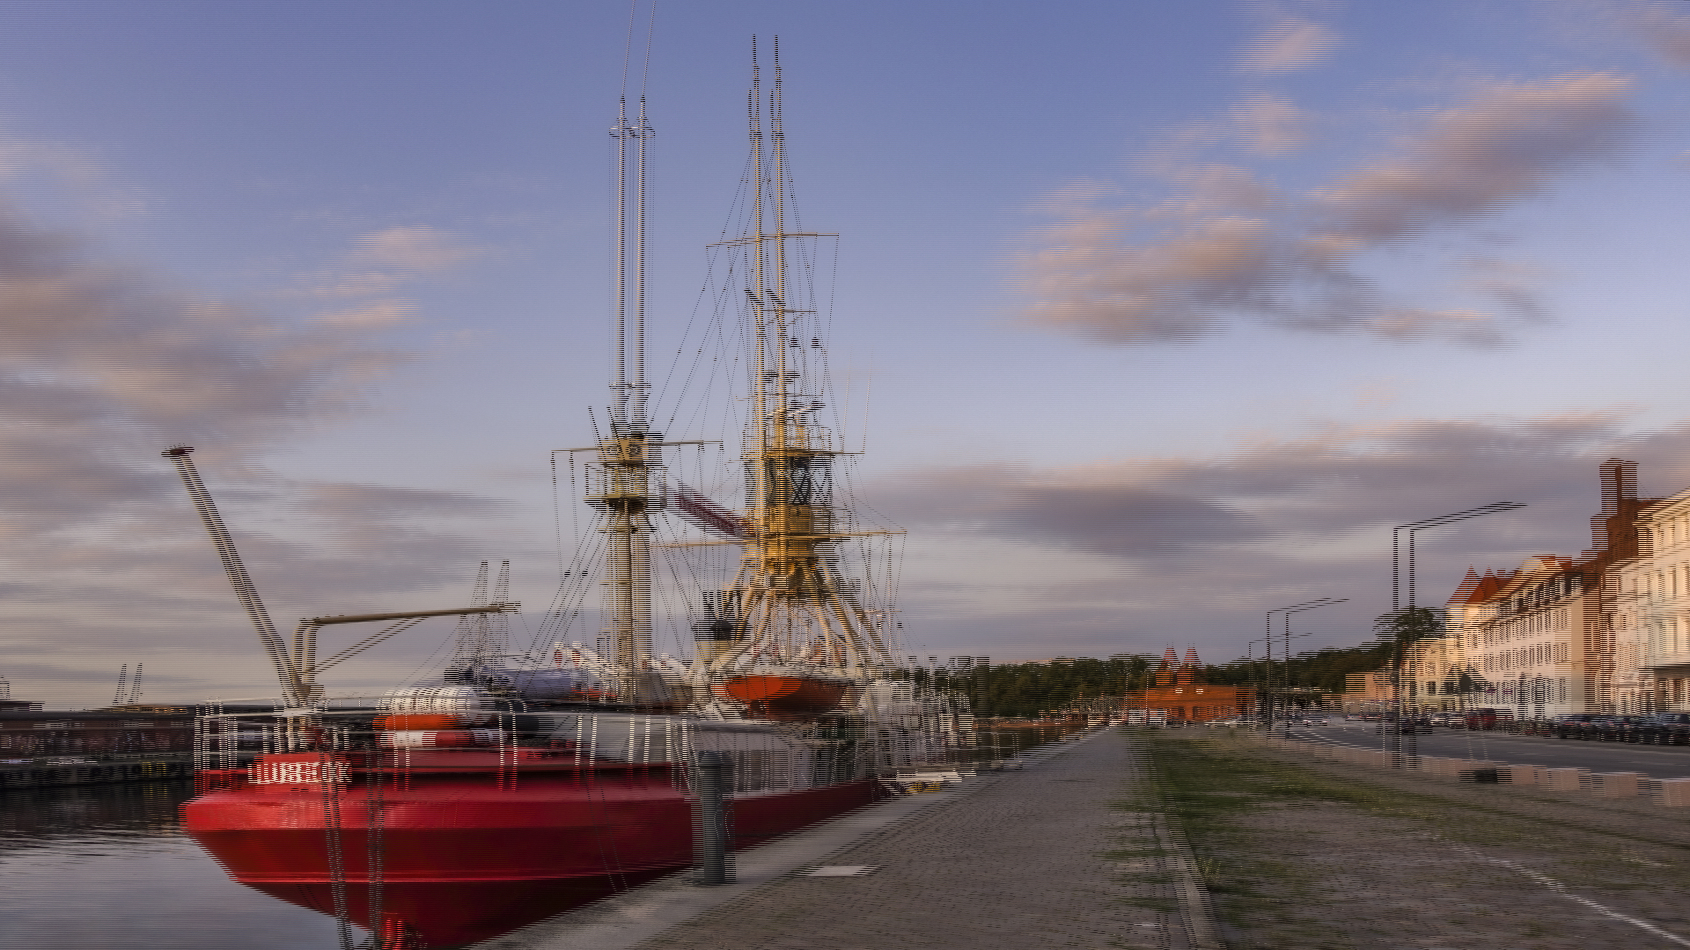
1059,855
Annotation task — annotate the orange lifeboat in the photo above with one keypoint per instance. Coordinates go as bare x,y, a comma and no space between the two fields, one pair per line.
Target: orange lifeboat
793,695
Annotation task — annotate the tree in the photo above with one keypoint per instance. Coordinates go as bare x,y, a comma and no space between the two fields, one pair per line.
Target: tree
1404,628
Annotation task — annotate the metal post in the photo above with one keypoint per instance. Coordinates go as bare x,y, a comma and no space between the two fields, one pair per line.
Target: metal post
714,772
1291,609
1398,652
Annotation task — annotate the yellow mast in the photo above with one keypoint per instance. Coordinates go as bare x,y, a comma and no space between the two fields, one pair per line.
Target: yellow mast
788,594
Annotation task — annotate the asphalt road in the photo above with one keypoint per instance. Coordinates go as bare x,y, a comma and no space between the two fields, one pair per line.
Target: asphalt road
1653,761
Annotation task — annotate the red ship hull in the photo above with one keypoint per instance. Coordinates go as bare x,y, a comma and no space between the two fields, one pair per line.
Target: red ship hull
469,851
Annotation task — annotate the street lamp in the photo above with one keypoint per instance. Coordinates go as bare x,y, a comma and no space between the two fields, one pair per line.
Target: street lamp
1293,608
1249,654
1412,528
1286,655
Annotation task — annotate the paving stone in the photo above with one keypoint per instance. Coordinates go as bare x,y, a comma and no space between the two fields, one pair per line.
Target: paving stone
1061,855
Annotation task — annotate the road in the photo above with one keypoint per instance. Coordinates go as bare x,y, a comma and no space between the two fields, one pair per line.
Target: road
1653,761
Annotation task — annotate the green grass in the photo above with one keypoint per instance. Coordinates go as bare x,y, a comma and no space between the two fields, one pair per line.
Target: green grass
1211,784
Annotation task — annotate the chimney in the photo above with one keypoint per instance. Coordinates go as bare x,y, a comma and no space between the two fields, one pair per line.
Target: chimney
1619,483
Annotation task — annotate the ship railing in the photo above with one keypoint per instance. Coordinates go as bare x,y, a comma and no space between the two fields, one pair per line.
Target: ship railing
607,483
235,747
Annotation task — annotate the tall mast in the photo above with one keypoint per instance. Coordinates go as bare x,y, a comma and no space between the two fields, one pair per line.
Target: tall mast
621,486
619,410
788,597
639,392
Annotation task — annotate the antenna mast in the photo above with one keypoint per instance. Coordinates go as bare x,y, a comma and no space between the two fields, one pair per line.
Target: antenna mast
621,485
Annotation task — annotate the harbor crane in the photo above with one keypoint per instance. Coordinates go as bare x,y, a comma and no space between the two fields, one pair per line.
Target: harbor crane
296,668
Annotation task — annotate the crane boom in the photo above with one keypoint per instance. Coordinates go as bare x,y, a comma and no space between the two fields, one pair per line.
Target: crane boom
245,592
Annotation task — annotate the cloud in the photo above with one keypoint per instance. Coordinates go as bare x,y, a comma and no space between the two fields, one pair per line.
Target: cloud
1226,247
1270,124
1289,44
1191,550
102,365
416,249
374,315
67,171
1321,487
1504,145
1665,32
385,264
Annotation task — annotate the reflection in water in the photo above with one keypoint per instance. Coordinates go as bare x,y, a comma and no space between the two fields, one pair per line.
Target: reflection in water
108,866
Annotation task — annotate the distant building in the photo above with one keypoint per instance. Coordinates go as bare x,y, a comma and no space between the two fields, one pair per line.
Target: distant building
1540,640
1180,690
104,734
1521,637
1651,628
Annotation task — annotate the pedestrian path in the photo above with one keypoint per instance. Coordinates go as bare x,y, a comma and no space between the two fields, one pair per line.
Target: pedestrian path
1068,852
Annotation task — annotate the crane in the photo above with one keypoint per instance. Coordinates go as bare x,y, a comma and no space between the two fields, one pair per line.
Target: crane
296,669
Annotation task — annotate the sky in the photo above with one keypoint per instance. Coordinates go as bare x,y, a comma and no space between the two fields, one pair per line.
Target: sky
1148,317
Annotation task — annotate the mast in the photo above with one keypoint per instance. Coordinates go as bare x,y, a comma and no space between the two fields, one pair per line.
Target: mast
621,484
788,596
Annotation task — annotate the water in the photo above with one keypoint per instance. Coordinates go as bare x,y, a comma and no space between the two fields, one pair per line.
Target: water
109,866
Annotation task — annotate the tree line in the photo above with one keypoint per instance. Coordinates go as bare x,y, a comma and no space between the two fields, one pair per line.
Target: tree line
1028,690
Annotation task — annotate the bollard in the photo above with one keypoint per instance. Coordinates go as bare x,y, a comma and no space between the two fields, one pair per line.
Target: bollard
1615,784
1519,774
1675,792
712,828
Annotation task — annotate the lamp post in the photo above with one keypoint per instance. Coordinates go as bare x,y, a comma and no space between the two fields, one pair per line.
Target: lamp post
1285,657
1412,528
1249,652
1290,685
1294,608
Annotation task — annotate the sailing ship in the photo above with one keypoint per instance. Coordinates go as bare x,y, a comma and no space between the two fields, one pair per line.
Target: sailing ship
523,783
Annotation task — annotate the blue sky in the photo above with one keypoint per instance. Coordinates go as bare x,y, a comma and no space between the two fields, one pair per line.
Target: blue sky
1163,313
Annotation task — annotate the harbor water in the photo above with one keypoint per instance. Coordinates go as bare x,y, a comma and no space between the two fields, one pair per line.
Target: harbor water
109,866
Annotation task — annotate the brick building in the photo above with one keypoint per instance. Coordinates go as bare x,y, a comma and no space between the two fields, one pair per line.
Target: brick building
1179,689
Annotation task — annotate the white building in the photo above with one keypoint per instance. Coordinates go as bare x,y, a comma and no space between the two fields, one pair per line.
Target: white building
1651,594
1525,634
1606,632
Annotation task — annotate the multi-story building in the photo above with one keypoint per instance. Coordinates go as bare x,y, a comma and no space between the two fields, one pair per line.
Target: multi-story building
1524,638
1652,611
1541,639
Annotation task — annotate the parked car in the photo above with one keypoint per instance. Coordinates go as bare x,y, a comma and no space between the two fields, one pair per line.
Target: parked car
1669,728
1489,718
1616,728
1571,725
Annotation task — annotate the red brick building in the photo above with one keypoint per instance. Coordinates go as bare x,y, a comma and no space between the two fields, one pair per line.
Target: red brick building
1178,688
